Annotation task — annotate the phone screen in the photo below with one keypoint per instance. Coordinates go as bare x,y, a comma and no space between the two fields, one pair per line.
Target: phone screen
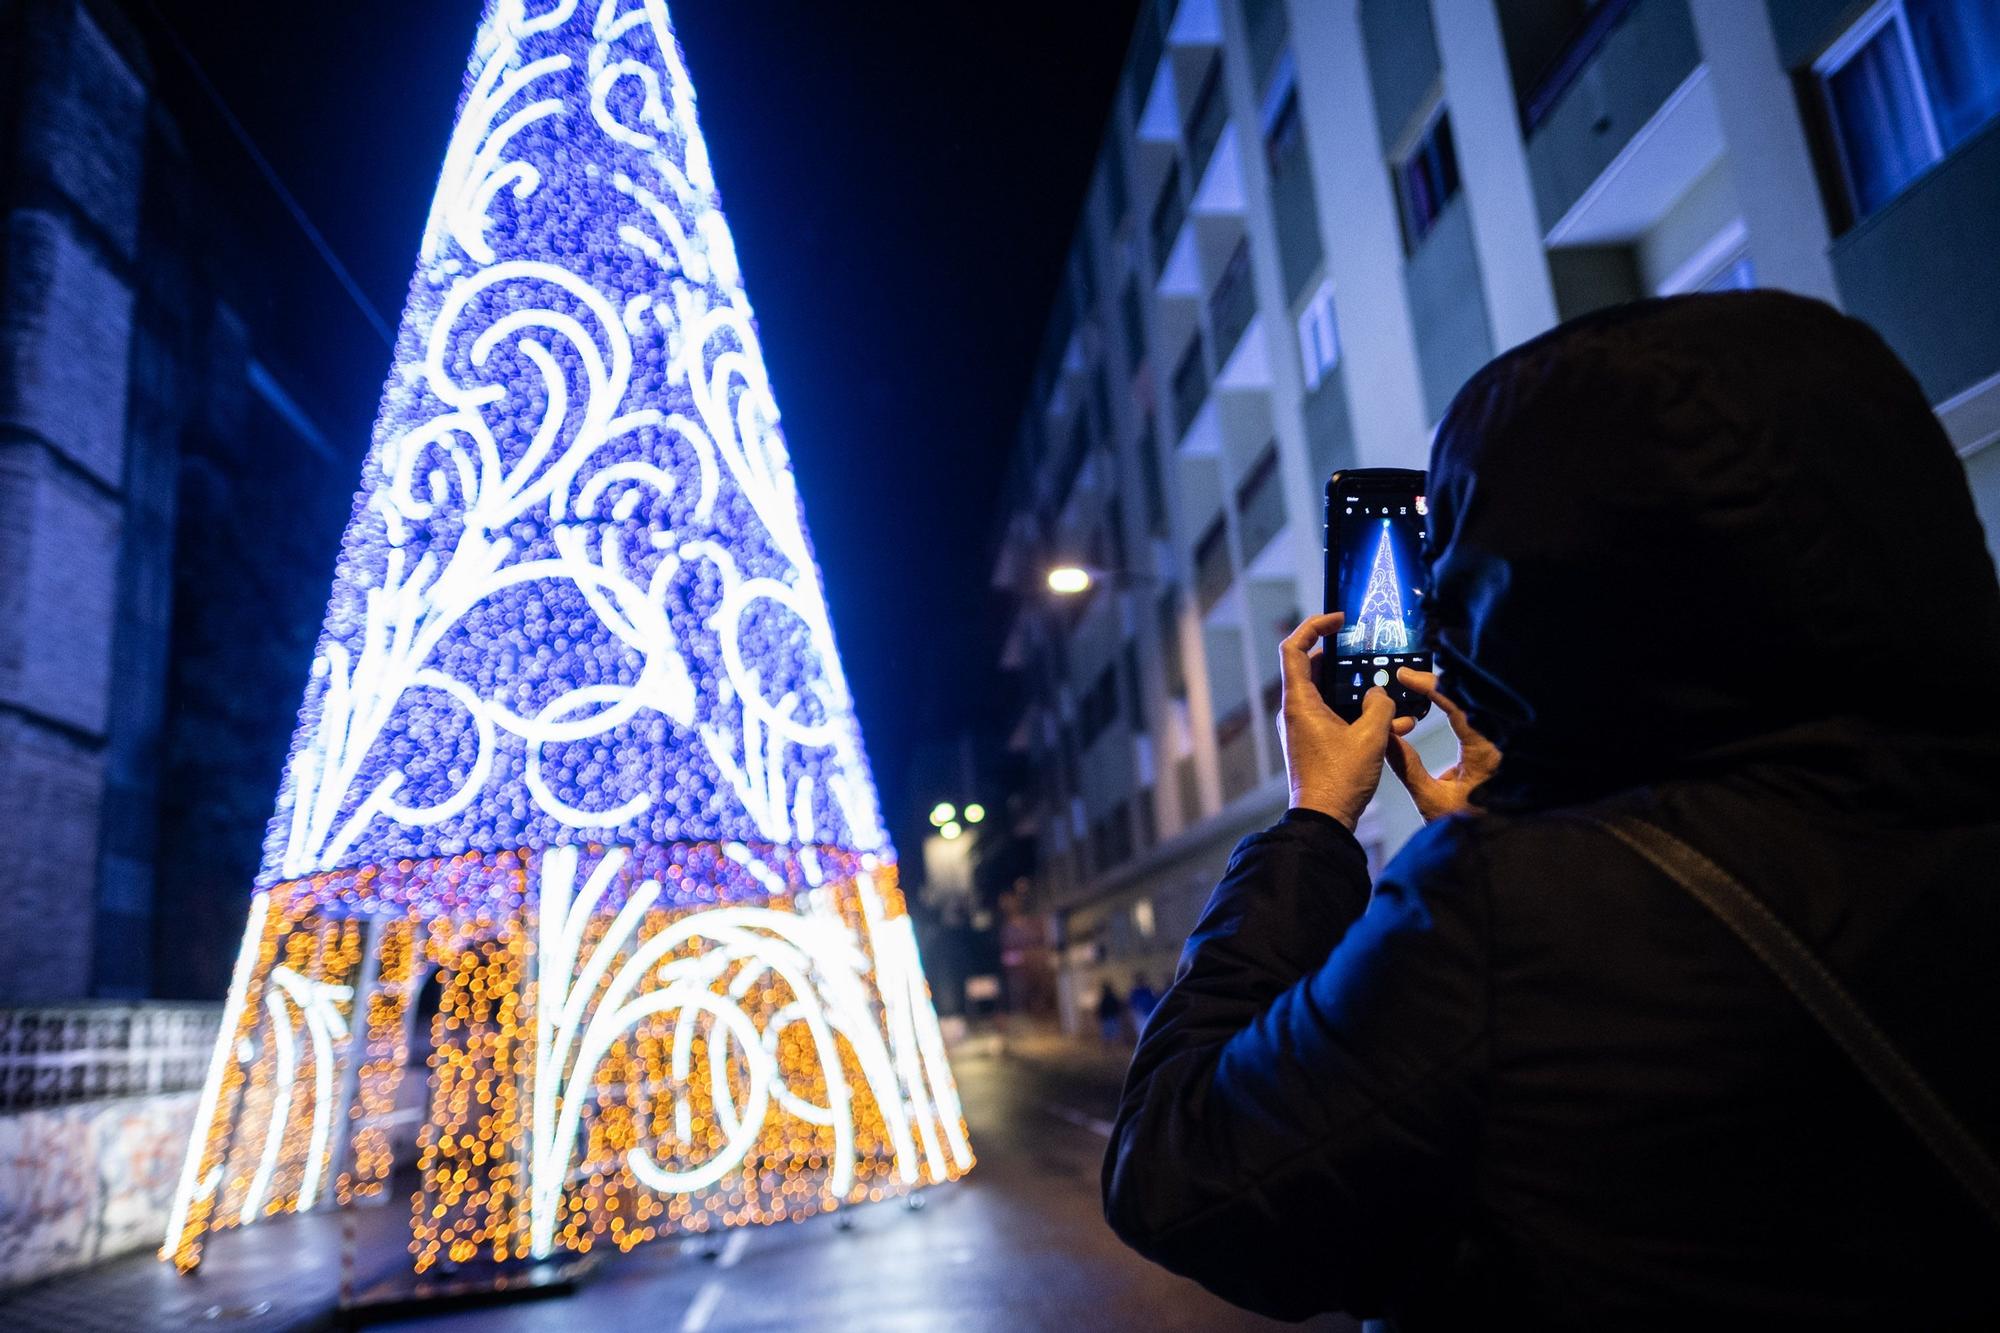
1377,562
1381,573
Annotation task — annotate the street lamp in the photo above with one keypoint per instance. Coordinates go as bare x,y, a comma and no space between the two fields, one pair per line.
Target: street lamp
1069,580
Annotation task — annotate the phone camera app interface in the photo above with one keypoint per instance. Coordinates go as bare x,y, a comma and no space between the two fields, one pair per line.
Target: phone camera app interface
1380,576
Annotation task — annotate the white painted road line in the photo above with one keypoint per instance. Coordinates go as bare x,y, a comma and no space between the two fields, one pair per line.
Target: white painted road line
702,1309
733,1250
1101,1128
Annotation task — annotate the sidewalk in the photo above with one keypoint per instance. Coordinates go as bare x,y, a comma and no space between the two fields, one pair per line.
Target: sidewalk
283,1274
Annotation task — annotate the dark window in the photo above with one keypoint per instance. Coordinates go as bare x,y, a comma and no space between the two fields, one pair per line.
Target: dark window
1098,709
1905,86
1135,701
1116,198
1293,208
1284,140
1142,807
1206,119
1168,211
1190,384
1213,572
1426,180
1071,465
1236,752
1132,318
1156,490
1100,401
1173,668
1232,302
1260,504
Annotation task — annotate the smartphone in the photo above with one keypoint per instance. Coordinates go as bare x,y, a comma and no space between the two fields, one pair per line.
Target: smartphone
1375,521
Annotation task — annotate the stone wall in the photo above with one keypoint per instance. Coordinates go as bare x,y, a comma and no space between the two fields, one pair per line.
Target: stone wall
87,1181
69,223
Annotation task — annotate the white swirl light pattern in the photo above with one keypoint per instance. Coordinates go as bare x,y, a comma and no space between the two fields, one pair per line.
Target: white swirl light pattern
577,599
576,737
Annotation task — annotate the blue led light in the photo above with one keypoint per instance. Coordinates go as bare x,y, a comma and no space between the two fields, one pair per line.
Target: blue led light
576,602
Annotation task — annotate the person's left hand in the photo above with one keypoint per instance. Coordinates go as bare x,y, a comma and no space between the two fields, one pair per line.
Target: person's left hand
1334,766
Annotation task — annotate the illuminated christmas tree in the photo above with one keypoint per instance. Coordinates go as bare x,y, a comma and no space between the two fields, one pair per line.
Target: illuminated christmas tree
576,747
1381,617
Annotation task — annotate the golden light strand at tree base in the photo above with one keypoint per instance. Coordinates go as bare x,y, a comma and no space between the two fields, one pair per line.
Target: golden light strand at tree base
635,1043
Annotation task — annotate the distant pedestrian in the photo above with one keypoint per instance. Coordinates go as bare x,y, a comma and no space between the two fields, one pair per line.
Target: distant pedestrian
1143,1001
1110,1014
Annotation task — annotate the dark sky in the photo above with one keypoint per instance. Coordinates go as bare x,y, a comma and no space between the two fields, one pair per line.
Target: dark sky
901,180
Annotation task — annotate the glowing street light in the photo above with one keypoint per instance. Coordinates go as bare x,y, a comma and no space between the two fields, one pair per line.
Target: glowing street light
974,813
943,813
1069,580
950,829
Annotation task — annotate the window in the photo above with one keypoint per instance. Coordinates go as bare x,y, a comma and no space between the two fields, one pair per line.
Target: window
1904,86
1135,703
1206,119
1260,504
1173,669
1284,139
1213,572
1190,384
1155,485
1098,709
1116,200
1168,212
1426,180
1319,341
1233,301
1132,319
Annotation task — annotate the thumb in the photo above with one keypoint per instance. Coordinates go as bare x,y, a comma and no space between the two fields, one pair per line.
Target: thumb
1378,710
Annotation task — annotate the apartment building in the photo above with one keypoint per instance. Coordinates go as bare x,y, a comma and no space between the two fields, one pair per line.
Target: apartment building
1309,222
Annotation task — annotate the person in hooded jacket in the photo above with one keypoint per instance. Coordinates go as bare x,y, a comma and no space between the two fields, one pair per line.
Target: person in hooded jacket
1709,560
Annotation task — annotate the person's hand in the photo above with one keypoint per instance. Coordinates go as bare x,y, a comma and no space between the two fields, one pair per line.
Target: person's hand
1334,766
1448,792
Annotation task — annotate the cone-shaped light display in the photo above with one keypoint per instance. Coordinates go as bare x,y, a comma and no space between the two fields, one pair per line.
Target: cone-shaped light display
577,767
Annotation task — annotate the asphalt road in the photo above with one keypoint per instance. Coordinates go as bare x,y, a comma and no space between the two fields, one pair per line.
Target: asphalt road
1019,1245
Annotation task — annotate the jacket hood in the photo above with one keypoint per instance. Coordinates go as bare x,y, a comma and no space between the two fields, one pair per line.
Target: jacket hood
1690,534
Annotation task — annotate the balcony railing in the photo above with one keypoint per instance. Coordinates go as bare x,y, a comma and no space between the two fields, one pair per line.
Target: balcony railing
1190,384
1232,302
54,1054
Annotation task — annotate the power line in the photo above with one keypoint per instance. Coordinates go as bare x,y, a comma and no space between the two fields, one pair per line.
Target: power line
277,184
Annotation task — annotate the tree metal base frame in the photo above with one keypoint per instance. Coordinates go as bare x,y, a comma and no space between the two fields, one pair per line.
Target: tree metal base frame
629,1043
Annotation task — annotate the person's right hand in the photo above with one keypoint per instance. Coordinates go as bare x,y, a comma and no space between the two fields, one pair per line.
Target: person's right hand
1449,792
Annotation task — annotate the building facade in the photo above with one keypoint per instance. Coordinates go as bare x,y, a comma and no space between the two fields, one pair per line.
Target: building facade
1309,222
167,511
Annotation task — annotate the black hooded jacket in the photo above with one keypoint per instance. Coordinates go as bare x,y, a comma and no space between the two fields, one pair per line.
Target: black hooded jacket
1710,560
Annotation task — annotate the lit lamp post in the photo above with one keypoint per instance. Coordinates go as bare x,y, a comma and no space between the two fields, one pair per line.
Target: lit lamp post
1070,580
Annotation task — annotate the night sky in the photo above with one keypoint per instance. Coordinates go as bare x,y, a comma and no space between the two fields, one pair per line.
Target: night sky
902,182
